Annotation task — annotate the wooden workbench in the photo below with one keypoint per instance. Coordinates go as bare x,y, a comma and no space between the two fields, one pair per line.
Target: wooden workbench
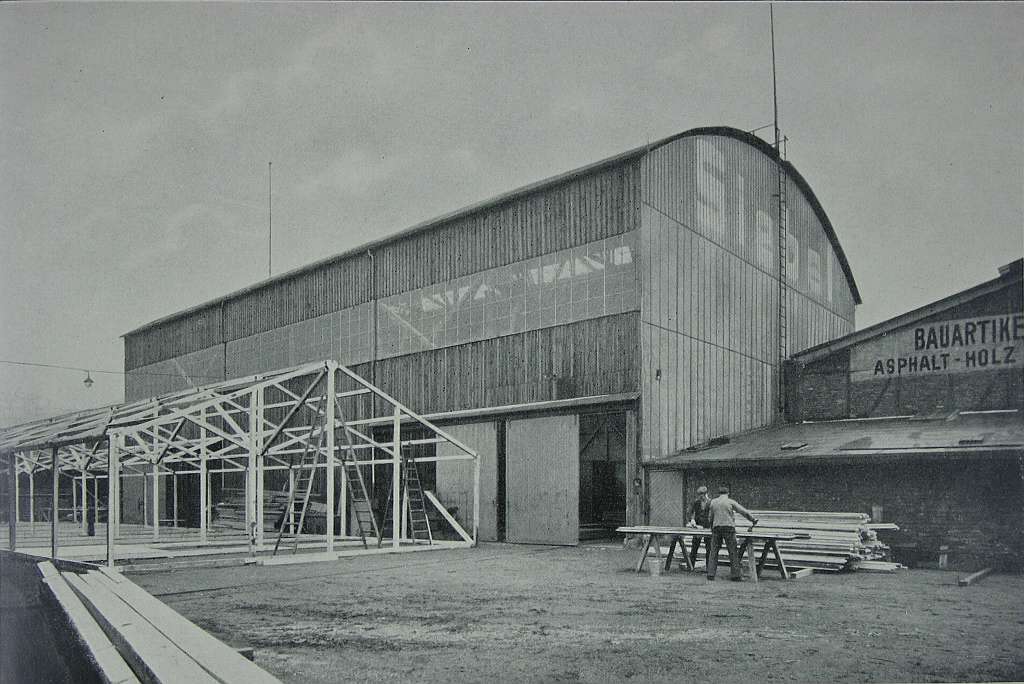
747,540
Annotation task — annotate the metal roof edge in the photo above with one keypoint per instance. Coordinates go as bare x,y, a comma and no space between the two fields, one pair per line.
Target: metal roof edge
948,302
839,457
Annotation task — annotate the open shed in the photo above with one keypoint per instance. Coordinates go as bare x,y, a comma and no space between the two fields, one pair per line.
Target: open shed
276,434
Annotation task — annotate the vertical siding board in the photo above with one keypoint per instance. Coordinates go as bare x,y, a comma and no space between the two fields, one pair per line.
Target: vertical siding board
715,294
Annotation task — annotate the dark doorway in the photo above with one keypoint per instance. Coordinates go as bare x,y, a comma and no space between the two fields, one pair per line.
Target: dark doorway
602,474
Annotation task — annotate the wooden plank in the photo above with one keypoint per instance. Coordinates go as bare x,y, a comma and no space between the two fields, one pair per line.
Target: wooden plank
151,656
656,529
783,570
974,577
213,655
802,572
98,649
447,516
676,540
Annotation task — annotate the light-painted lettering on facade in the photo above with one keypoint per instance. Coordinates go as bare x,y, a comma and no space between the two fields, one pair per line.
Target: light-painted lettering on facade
740,216
765,230
828,274
966,345
792,255
711,188
813,272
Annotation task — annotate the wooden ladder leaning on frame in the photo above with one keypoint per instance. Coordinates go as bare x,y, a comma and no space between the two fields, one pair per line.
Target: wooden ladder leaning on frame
302,484
358,497
412,492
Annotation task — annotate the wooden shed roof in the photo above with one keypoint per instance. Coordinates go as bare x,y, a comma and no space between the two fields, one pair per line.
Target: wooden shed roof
963,434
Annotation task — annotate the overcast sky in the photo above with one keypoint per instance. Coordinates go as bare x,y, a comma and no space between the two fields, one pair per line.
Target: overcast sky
134,141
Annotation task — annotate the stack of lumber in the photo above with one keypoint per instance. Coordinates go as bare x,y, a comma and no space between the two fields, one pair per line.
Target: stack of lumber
834,541
230,510
828,542
127,635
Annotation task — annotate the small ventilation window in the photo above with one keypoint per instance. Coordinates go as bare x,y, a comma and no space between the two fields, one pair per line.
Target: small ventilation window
973,441
793,446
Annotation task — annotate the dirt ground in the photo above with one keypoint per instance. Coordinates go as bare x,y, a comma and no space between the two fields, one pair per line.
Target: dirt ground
531,613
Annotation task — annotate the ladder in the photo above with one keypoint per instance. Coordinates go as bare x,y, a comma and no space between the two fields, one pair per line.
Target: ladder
783,277
358,497
301,489
419,524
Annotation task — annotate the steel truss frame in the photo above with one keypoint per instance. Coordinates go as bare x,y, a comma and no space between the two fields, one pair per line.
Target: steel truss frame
250,425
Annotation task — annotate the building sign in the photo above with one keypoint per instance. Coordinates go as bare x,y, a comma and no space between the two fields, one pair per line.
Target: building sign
960,346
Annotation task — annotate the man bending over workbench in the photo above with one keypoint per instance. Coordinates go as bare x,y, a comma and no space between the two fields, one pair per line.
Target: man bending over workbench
722,511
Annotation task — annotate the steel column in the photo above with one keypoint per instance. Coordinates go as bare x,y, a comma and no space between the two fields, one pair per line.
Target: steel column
329,425
396,478
85,503
156,502
12,504
54,508
113,497
203,493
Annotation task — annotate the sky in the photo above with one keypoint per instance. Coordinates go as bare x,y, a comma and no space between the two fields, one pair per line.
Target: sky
135,138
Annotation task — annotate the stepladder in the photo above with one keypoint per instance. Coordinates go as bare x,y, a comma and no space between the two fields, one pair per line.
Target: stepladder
413,504
302,478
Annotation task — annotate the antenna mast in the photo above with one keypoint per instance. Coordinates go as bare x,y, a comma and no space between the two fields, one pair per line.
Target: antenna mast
775,90
270,210
783,235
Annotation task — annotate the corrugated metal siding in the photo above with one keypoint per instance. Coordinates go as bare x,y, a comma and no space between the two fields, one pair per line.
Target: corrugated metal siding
455,478
582,210
709,290
542,458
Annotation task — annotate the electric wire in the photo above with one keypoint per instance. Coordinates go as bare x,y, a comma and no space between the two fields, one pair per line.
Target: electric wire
108,372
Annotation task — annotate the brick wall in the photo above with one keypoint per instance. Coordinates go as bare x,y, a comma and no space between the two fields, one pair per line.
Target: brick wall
823,390
974,507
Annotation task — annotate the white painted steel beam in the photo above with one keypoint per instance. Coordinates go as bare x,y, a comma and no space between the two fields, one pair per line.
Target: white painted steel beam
329,425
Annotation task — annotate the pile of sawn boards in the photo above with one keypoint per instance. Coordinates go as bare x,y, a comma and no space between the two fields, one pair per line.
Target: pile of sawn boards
826,541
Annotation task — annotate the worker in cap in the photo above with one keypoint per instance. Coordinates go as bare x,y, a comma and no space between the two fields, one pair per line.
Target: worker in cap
699,517
722,511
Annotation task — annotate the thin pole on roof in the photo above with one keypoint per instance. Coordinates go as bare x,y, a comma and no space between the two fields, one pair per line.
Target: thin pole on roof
775,91
270,214
783,229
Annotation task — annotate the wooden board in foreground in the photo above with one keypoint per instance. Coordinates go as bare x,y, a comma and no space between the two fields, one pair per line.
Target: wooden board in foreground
972,578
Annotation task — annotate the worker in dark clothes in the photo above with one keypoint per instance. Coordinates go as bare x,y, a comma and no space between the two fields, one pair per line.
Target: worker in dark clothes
723,529
700,516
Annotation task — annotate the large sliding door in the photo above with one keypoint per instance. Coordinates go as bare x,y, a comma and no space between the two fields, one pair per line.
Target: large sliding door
542,466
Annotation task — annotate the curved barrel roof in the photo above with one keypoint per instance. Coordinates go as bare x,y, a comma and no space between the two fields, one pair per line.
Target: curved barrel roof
552,181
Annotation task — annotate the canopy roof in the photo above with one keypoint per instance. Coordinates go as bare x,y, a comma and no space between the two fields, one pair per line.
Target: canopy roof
961,435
